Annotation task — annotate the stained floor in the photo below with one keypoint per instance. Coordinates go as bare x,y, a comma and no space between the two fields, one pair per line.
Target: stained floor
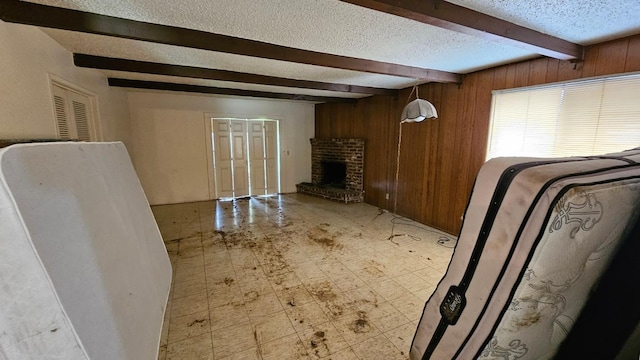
295,277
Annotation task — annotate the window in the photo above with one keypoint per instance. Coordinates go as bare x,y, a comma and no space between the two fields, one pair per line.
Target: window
72,111
586,117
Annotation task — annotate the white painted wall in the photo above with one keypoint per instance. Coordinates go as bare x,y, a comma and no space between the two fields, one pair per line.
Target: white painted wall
169,140
28,57
164,132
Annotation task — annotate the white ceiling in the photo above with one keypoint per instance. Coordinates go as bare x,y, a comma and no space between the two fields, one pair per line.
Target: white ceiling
340,28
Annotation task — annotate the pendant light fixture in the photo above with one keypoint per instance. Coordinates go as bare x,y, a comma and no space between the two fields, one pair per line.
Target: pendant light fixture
418,109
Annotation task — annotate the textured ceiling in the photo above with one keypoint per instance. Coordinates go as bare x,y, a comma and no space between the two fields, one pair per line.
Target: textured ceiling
581,21
340,28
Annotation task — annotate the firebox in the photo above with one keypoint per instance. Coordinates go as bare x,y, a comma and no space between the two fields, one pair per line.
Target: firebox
334,174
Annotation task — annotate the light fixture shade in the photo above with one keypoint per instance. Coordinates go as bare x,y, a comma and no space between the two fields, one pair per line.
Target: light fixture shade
418,110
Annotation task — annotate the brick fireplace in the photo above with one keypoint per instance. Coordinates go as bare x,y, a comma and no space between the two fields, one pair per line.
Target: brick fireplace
344,156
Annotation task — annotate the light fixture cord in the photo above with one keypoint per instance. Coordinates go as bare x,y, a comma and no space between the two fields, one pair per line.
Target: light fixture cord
414,88
395,195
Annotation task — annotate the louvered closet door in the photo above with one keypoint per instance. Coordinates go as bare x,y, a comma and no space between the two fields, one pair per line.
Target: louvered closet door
73,114
66,129
80,110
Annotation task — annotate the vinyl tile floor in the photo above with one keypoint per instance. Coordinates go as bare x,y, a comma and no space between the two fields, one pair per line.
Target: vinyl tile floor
295,277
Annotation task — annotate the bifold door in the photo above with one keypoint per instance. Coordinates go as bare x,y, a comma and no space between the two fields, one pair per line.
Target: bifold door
246,157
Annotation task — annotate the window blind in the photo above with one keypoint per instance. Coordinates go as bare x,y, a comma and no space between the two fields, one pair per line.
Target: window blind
586,117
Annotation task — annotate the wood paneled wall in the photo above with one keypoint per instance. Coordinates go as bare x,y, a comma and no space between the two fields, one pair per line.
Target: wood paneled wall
439,159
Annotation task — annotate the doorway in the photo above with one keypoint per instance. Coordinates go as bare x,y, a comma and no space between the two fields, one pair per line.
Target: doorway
245,157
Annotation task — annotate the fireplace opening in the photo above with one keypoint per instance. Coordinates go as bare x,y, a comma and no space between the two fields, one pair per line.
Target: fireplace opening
334,174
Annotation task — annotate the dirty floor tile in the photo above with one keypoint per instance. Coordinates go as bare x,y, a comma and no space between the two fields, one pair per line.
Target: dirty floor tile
294,277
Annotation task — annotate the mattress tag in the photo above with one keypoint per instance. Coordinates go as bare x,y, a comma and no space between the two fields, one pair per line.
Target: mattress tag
453,304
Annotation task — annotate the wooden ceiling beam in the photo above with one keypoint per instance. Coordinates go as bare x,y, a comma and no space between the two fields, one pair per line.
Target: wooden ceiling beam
107,63
167,86
21,12
457,18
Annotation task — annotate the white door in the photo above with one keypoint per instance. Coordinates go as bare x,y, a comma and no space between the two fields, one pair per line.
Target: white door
256,149
245,157
271,156
223,159
240,159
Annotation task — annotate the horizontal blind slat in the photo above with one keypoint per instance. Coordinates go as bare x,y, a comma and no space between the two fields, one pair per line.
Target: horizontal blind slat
582,118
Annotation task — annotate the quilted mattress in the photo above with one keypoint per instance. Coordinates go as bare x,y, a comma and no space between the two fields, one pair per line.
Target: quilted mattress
536,237
84,273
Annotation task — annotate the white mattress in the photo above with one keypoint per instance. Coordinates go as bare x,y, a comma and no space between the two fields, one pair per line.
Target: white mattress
84,273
